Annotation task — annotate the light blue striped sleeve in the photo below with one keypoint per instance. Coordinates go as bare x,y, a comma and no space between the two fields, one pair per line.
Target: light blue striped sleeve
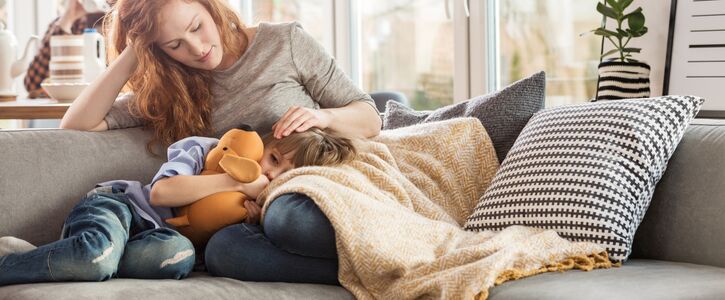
185,157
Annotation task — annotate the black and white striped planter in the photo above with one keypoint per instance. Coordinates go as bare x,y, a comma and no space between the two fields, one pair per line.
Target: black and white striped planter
623,80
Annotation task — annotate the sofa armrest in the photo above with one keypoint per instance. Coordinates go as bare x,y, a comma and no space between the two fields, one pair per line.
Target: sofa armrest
44,173
685,219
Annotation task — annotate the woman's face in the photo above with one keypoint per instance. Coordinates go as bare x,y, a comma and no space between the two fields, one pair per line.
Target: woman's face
189,35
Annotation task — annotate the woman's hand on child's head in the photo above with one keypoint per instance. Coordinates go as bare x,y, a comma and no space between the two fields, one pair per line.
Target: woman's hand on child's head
254,212
299,119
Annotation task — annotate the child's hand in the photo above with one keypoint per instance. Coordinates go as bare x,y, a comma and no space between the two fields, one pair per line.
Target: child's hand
254,212
254,188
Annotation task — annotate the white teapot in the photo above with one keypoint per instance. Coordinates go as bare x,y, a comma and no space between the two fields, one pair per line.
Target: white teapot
9,66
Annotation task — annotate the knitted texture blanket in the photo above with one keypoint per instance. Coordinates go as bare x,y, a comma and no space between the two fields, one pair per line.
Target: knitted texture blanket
398,212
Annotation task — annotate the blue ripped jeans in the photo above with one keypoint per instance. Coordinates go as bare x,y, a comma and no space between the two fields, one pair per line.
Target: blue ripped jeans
297,244
103,237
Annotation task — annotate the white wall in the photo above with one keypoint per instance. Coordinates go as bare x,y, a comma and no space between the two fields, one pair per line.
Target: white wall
654,43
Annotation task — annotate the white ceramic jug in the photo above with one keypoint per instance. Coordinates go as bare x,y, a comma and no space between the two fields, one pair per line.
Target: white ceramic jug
9,66
94,55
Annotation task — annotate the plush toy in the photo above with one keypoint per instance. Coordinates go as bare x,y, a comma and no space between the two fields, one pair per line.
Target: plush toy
237,154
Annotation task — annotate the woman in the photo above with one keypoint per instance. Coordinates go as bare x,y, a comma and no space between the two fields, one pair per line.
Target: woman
194,69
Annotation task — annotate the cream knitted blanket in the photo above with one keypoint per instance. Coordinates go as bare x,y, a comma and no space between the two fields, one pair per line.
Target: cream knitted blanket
398,212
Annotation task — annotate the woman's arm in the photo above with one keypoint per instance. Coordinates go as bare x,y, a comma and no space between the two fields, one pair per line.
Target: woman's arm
357,119
184,189
92,105
70,16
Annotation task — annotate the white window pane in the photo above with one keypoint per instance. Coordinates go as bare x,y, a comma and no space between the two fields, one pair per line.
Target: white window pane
407,46
3,12
545,35
314,15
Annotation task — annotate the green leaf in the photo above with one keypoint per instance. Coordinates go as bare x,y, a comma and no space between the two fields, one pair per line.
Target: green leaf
607,11
632,60
625,3
615,4
636,21
610,52
636,11
623,33
639,33
632,50
643,31
604,32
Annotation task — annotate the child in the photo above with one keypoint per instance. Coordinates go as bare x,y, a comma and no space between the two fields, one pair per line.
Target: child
106,233
296,243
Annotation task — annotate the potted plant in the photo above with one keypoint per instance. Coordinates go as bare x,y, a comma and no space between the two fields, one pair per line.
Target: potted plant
620,75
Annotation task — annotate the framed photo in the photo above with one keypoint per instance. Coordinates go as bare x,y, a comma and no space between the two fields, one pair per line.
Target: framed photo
696,53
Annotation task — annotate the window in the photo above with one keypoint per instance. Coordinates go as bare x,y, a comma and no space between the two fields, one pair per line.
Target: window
545,35
430,52
435,51
408,46
437,55
314,15
3,12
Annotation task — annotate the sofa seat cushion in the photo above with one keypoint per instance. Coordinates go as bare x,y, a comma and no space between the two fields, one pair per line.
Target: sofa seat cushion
197,286
635,279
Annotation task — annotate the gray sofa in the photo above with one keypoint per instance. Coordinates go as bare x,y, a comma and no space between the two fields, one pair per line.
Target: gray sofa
678,250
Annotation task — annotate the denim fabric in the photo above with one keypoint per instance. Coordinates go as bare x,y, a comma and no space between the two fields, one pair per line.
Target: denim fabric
103,237
296,245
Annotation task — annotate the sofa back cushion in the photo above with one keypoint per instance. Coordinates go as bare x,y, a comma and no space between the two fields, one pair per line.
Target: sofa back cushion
43,173
503,113
686,218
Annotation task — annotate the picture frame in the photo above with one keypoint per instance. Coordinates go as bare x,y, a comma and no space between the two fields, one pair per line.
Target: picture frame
695,59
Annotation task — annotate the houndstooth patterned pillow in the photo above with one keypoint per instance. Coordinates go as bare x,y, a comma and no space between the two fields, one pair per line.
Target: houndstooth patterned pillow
587,171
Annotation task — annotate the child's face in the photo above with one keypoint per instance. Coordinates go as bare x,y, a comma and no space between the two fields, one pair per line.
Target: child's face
274,163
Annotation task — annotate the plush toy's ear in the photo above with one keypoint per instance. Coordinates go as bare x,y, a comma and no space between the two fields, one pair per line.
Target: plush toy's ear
240,168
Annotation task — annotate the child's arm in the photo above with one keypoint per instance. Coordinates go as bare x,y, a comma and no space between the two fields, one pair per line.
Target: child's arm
181,190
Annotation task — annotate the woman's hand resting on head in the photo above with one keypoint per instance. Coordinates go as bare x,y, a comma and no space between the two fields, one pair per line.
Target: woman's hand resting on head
299,119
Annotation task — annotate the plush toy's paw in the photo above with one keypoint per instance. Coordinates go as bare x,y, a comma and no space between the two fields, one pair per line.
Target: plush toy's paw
240,168
178,221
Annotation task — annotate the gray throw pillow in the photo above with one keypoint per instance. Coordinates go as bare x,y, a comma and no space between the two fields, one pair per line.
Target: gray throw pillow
503,113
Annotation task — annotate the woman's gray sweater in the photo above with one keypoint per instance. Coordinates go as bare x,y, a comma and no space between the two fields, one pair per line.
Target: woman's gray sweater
282,67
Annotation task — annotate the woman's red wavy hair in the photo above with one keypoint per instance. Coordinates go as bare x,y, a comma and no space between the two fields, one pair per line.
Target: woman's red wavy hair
173,99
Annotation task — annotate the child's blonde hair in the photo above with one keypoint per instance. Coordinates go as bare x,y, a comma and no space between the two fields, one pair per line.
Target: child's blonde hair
314,147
